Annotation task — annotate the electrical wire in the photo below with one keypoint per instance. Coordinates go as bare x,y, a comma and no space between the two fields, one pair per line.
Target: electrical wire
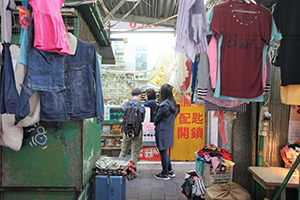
268,99
271,133
158,22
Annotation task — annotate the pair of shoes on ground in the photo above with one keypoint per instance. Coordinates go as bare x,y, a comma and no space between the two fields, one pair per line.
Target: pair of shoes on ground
161,176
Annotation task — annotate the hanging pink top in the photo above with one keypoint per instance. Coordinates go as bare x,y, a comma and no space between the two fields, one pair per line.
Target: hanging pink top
212,54
49,29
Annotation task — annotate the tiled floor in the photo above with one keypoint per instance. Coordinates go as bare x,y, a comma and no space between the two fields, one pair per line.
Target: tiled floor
146,187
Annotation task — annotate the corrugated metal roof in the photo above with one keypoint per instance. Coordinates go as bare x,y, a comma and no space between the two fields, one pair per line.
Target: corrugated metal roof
147,11
147,8
151,11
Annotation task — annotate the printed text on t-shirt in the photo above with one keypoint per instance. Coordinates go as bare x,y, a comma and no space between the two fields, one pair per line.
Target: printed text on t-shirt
233,42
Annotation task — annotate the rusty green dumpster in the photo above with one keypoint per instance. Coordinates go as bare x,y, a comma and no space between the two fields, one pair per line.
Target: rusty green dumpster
55,161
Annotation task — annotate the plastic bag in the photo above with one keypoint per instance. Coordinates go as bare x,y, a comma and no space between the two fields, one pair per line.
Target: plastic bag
289,154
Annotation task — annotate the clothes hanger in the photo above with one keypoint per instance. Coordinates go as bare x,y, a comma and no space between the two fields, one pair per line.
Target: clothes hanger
246,11
248,1
67,29
253,1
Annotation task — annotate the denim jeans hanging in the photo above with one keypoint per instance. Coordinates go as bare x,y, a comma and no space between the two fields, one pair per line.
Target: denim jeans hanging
8,91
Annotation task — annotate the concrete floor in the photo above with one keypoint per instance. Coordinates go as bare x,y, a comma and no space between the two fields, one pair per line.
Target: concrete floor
147,187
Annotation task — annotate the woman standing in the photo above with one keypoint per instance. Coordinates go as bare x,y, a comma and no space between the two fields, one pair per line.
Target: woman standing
164,127
151,102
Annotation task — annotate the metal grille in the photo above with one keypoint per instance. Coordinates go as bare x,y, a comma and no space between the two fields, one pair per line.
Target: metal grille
69,20
16,30
86,35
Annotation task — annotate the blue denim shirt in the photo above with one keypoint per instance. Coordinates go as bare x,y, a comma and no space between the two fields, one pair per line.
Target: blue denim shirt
83,97
45,69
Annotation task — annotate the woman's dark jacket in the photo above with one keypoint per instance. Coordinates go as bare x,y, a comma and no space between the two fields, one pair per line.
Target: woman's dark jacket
152,105
164,125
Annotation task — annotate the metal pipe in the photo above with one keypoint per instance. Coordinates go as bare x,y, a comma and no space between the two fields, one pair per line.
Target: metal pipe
158,22
114,10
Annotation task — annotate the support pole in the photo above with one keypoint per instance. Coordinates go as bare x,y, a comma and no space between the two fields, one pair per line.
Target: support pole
259,162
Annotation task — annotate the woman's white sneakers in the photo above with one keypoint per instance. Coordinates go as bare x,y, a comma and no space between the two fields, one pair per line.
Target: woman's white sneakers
171,174
160,176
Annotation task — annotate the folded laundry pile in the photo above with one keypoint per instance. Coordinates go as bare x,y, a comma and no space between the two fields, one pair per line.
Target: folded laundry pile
211,154
115,166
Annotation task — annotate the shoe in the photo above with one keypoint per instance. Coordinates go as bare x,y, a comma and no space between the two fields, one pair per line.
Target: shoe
160,176
171,174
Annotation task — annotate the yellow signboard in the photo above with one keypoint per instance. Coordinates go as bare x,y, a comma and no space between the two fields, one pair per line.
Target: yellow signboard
158,78
189,131
158,75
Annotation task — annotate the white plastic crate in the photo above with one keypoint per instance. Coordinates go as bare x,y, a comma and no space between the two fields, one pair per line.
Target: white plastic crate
215,176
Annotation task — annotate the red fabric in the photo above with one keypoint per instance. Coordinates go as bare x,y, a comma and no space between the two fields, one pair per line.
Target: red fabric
183,192
283,156
222,127
207,149
244,36
186,83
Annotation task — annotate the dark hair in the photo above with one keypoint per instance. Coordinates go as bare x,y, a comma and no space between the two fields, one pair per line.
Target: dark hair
151,94
166,93
136,92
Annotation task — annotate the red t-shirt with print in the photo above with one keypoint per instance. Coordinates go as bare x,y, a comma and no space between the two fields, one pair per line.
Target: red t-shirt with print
244,37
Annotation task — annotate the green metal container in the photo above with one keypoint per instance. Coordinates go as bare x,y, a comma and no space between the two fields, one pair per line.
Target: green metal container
39,194
54,156
27,193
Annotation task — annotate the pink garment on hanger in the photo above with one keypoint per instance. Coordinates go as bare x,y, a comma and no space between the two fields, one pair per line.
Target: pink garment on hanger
221,102
221,125
265,74
212,54
49,29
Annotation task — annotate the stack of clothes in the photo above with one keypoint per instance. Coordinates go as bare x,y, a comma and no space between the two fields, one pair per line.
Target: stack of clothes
194,184
115,166
213,155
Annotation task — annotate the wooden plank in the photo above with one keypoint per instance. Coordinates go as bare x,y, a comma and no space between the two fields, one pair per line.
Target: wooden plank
279,121
253,131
